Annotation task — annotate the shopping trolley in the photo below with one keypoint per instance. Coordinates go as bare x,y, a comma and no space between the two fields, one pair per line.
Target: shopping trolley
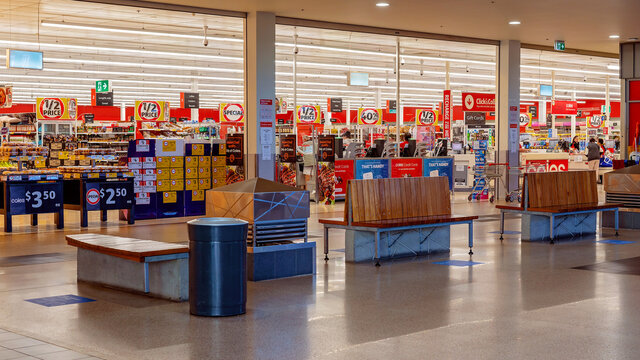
516,194
486,176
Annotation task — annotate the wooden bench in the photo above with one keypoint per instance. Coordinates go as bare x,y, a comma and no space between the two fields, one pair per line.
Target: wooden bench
397,205
558,196
145,266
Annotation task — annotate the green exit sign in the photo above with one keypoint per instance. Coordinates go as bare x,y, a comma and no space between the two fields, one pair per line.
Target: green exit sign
559,45
103,86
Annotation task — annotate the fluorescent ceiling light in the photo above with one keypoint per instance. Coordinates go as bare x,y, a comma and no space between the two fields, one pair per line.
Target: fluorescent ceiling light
613,67
514,22
135,32
382,4
132,64
125,73
614,36
568,70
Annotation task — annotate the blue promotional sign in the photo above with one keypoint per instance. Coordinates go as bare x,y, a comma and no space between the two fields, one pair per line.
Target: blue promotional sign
372,169
439,167
109,195
34,198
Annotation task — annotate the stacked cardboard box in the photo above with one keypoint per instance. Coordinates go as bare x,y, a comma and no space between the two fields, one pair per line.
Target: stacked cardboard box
142,163
198,177
218,165
170,158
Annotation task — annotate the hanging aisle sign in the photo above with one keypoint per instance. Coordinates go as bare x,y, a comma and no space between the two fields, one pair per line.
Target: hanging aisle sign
478,102
446,115
525,119
369,116
232,113
6,96
595,122
426,117
149,110
308,114
56,108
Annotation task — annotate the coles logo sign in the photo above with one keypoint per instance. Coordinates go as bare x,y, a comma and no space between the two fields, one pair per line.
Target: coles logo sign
93,197
369,116
233,113
426,117
51,108
148,110
308,114
479,102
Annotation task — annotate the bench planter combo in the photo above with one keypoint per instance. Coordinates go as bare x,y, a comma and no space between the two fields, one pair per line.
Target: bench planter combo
558,205
387,218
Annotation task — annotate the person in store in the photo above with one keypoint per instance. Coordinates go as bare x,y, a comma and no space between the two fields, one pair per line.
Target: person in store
575,144
602,148
346,138
617,141
404,145
593,155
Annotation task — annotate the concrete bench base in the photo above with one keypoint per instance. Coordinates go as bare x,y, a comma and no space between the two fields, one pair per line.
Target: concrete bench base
281,261
164,276
360,245
536,227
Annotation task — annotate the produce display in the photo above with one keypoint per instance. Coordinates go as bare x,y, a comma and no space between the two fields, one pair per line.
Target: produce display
22,149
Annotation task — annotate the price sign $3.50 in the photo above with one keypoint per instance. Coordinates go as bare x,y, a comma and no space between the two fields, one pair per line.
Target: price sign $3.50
37,197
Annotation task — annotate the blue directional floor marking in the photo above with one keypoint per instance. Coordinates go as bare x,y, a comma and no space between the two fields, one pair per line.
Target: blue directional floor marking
460,263
60,300
506,232
616,242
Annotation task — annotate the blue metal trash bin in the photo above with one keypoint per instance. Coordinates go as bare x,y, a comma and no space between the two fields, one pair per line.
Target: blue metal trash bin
217,266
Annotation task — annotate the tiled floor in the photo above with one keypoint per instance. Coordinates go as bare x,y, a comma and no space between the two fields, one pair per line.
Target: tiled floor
17,347
521,301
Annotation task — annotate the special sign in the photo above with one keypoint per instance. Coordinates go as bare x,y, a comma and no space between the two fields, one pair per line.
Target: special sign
231,113
6,96
426,117
151,110
525,119
369,116
56,108
308,114
595,121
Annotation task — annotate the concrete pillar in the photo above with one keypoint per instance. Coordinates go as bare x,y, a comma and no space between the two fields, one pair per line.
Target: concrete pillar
260,84
508,109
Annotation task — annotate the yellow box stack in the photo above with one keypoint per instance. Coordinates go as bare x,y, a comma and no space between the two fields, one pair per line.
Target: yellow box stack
218,165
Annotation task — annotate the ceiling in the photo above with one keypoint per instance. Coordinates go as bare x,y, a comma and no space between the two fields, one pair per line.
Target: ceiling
156,54
583,24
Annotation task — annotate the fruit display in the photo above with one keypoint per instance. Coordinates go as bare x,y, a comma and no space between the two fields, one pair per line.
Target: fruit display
22,149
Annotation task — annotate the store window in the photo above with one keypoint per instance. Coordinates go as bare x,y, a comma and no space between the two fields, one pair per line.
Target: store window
108,57
566,99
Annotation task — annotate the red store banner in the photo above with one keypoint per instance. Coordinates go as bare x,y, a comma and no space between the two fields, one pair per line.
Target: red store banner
344,170
564,108
446,114
409,167
478,102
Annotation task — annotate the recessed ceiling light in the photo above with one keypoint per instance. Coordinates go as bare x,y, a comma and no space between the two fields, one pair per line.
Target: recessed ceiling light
614,36
382,4
514,22
633,39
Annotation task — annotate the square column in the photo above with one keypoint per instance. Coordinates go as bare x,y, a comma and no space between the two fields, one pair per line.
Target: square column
260,94
508,109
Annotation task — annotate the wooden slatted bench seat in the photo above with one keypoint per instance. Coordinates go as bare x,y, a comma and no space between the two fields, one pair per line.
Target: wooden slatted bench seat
558,204
156,268
412,215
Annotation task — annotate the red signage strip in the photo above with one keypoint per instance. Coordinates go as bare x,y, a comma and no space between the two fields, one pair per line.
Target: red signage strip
446,114
564,108
478,102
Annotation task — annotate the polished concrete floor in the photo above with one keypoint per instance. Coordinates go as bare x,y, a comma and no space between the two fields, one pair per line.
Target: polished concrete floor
525,300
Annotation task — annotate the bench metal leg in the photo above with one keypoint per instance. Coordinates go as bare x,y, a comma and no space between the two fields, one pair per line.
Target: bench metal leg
377,248
616,216
146,277
470,237
326,243
34,219
551,229
501,224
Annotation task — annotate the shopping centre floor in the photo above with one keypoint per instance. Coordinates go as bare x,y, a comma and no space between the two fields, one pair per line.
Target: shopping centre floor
524,300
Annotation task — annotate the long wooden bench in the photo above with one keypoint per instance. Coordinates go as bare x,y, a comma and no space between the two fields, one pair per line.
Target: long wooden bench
396,205
156,268
558,196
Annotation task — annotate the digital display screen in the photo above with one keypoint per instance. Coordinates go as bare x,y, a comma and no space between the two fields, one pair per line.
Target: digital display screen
22,59
456,146
358,79
546,90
